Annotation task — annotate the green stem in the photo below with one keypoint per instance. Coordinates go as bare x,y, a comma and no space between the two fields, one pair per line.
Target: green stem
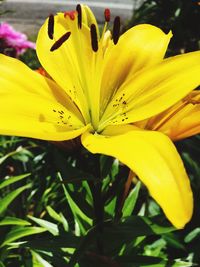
96,189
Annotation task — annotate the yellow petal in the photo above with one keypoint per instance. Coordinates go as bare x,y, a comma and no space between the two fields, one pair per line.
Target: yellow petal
17,78
155,89
69,64
153,157
180,121
33,116
141,46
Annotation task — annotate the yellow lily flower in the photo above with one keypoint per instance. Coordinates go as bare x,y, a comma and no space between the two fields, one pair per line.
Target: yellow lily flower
180,121
100,85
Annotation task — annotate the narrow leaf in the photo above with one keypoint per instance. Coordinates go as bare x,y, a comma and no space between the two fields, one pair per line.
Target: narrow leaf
49,226
13,221
192,235
130,202
12,180
5,202
77,212
20,232
39,261
53,214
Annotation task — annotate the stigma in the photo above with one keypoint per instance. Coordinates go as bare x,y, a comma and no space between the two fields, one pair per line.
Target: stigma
76,16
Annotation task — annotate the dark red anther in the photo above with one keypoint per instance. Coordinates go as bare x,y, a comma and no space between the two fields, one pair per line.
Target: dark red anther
107,14
94,39
60,41
79,11
116,30
70,14
51,26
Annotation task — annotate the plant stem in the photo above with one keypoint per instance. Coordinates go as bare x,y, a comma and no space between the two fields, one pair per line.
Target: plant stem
96,187
124,195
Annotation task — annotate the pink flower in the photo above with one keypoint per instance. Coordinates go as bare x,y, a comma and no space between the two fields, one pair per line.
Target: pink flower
14,39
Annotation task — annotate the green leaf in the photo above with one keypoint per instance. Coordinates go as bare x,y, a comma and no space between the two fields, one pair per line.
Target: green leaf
130,202
5,202
87,241
53,214
192,235
23,156
183,264
110,208
156,228
13,221
155,249
139,261
55,243
49,226
106,165
38,261
20,232
89,197
77,212
116,234
13,153
13,179
173,241
64,222
1,264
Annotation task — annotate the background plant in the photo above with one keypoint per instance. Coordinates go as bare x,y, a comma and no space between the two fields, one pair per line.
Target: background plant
62,206
180,16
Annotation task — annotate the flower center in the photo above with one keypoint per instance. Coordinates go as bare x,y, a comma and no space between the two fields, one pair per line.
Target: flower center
88,64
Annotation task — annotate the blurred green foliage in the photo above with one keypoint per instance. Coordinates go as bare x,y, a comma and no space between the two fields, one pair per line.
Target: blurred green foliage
62,206
2,12
180,16
30,59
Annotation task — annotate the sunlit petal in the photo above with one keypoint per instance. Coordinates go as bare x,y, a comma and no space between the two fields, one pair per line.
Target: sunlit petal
155,89
17,78
153,157
181,120
68,65
141,46
29,115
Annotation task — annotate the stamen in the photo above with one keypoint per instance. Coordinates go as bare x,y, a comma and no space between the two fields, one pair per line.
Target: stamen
190,100
79,11
107,14
94,40
51,26
60,41
116,30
